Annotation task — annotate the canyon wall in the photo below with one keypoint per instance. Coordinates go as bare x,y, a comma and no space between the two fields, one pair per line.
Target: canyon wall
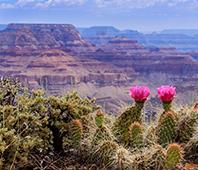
56,57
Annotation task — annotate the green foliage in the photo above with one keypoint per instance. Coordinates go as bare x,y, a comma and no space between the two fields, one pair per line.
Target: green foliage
136,135
62,111
33,122
9,87
173,156
21,132
166,129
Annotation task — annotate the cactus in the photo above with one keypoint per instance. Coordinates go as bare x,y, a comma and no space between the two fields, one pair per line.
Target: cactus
173,156
75,132
166,129
167,106
122,159
121,126
150,135
191,149
154,158
186,127
99,119
104,153
102,132
136,135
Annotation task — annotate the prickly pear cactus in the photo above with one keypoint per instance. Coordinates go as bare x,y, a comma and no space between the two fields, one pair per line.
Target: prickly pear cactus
136,135
173,156
166,129
123,122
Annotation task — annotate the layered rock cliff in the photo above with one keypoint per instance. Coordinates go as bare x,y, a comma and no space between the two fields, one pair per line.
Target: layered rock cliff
56,58
35,37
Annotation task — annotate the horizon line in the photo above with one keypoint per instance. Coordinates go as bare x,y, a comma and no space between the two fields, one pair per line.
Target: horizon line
90,26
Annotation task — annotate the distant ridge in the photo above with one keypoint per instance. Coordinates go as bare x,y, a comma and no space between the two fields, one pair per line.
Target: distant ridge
190,32
99,30
182,39
2,26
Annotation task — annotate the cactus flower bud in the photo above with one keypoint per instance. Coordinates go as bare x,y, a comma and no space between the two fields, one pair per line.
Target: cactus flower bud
139,93
166,93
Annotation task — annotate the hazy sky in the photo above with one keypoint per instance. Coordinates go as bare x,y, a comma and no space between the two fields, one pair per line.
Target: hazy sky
142,15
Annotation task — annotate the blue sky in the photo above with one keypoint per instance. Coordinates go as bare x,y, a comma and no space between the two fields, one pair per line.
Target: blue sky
142,15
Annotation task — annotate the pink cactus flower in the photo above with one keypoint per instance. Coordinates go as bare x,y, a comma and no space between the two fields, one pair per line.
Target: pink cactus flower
139,93
166,93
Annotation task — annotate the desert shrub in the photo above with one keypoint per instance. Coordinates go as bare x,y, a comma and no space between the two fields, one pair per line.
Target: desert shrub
32,122
61,112
20,128
9,88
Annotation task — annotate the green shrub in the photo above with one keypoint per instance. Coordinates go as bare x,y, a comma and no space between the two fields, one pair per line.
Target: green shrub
62,111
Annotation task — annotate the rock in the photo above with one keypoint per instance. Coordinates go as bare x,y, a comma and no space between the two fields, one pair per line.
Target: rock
34,37
56,58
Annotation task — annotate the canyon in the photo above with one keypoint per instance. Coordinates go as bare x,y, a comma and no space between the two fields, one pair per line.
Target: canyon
60,58
185,40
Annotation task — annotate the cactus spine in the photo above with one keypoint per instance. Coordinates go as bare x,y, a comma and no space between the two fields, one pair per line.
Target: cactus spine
166,129
173,156
136,135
